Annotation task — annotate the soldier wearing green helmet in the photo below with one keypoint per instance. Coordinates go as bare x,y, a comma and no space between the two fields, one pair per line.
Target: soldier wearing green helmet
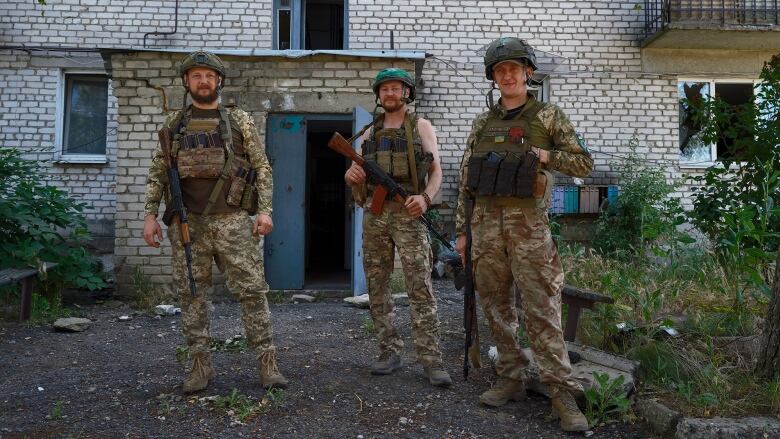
505,190
225,178
405,146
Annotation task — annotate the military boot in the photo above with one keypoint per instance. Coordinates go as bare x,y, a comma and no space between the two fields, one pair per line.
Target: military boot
270,377
565,407
505,389
437,376
387,363
200,374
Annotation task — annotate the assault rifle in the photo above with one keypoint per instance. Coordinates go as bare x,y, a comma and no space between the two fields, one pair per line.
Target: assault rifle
385,185
464,279
176,212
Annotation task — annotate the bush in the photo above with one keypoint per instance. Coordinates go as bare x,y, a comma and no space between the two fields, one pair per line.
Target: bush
40,223
644,213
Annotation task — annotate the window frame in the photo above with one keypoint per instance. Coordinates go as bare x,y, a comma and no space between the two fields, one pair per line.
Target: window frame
298,23
713,82
60,155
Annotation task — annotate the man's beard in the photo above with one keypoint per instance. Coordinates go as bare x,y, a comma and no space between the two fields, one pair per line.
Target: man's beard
391,106
204,99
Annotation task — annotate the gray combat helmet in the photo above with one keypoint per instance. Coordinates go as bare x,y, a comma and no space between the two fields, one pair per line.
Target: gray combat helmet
201,58
506,49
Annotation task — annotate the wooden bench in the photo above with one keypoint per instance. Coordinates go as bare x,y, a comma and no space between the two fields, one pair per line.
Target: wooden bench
24,277
576,299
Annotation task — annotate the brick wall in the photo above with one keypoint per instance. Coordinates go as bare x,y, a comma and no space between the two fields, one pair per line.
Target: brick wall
322,84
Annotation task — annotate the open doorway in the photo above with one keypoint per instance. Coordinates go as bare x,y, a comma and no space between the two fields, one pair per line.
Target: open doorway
328,220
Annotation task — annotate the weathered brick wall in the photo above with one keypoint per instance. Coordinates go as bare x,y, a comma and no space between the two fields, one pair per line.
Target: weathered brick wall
323,84
123,23
28,104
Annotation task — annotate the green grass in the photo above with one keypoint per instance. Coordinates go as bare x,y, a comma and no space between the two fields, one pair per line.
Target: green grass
242,407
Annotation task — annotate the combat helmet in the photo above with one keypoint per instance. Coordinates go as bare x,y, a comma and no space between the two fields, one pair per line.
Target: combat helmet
394,74
505,49
201,58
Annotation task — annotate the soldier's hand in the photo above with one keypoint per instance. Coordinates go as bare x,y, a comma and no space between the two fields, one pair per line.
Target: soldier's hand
152,230
263,225
415,205
355,175
460,247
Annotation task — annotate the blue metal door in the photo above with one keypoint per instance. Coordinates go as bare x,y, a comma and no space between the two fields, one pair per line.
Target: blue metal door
284,247
361,119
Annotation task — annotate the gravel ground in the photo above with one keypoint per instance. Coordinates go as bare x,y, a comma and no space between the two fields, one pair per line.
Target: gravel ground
122,379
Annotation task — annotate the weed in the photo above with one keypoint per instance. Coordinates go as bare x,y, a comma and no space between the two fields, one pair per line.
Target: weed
397,282
276,296
243,407
146,295
237,343
56,411
368,325
606,400
182,353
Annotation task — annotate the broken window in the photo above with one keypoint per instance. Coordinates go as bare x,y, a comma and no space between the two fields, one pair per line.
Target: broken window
693,149
310,24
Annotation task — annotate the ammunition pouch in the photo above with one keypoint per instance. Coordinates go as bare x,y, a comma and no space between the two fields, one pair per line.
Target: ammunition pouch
508,176
391,154
200,155
242,191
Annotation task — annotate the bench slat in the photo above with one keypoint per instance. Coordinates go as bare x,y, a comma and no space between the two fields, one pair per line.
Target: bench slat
13,275
586,294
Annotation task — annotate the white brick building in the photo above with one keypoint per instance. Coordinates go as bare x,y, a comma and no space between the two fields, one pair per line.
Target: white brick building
615,67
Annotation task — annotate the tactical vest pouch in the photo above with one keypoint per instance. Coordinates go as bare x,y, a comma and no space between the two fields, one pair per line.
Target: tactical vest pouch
237,185
369,149
249,199
384,154
505,181
472,176
526,176
488,173
200,162
400,158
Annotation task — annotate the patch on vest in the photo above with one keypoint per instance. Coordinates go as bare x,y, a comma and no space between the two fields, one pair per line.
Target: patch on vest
498,134
516,134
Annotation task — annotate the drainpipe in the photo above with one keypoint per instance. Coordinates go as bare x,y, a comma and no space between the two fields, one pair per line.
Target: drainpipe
175,25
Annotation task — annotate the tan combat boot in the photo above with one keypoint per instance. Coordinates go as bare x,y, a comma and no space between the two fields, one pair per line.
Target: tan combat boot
270,377
565,407
200,374
505,389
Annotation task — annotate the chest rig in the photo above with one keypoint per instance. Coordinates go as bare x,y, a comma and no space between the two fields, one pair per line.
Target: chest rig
502,164
204,149
399,153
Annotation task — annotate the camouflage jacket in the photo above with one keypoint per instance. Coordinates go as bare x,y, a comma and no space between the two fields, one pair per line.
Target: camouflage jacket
157,181
568,156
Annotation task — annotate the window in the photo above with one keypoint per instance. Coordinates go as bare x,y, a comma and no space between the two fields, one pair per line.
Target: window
83,117
693,149
310,24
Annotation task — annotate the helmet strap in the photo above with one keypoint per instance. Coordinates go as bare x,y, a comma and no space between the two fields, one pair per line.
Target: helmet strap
489,95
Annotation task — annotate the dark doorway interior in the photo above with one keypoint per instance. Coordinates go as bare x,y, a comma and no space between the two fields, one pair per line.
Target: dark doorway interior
328,227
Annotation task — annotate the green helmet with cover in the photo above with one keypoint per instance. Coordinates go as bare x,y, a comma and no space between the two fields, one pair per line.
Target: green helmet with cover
394,74
201,58
508,49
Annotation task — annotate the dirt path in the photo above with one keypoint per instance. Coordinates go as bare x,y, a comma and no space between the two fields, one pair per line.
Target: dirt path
121,379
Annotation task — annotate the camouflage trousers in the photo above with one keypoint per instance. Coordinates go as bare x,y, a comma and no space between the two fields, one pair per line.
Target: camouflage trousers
515,244
227,240
381,234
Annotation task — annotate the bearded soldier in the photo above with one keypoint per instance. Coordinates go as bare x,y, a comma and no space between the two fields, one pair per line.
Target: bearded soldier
405,146
505,187
225,178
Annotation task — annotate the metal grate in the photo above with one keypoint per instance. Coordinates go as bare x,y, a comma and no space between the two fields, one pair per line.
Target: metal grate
660,13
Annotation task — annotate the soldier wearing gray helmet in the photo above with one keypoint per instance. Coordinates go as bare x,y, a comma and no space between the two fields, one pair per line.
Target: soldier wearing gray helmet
225,178
506,183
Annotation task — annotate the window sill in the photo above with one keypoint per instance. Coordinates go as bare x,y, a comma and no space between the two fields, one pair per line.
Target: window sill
695,165
81,159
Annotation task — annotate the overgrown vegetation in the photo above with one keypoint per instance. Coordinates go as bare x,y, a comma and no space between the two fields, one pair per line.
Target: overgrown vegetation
236,344
41,223
242,408
606,400
714,293
147,295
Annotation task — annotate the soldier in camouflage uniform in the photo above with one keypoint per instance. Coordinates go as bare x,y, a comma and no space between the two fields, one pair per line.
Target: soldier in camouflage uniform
405,146
505,178
225,177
